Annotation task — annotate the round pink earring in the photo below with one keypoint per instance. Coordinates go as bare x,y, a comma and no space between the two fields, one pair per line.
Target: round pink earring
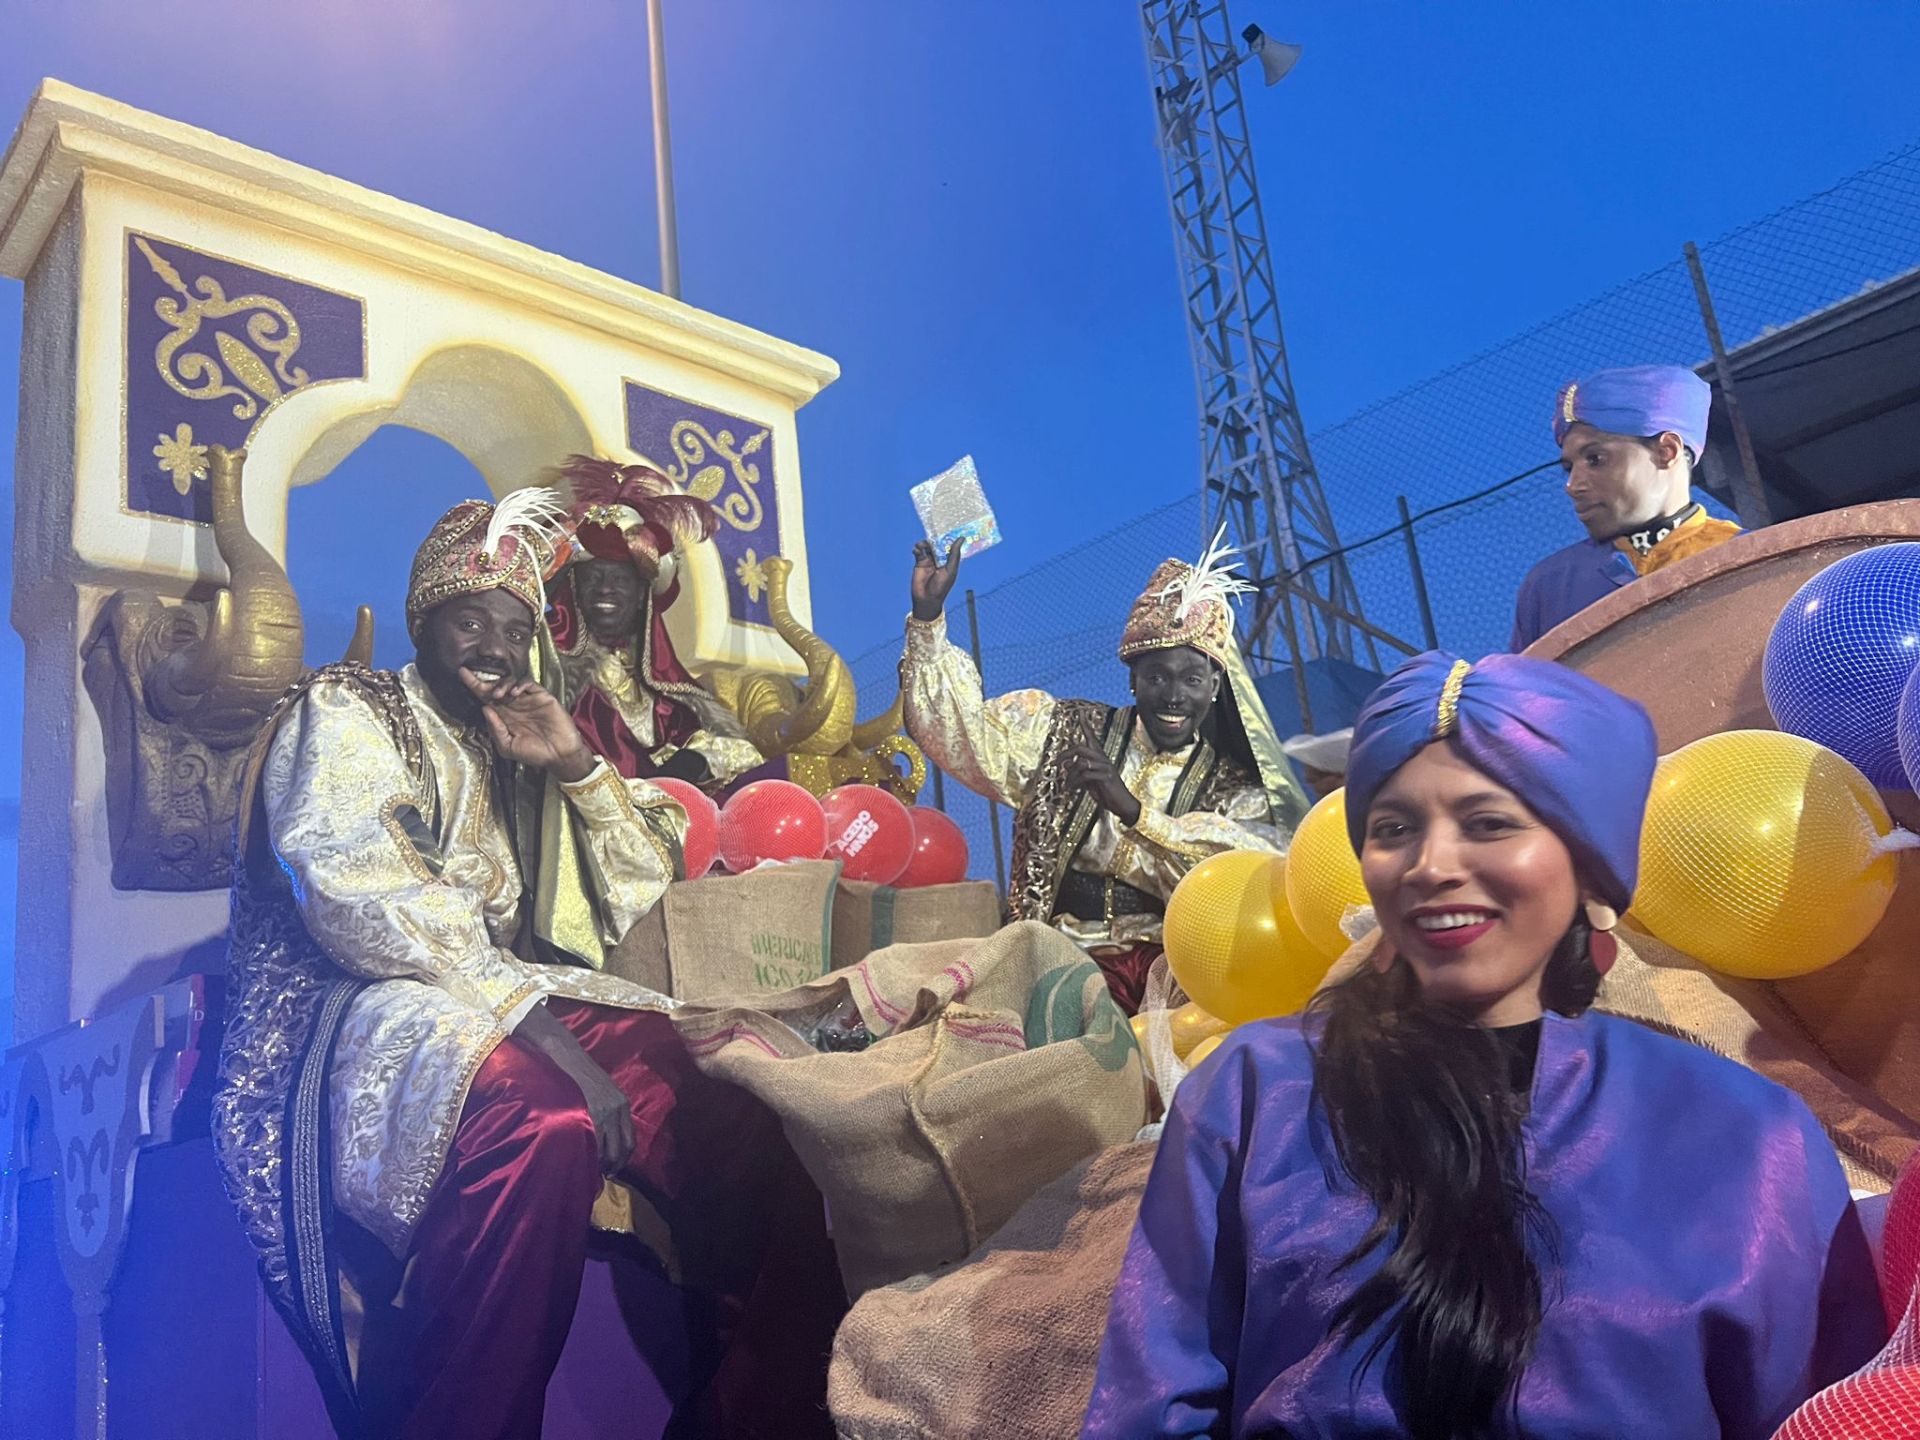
1602,948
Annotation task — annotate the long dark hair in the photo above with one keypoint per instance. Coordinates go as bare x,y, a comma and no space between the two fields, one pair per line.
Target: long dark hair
1425,1121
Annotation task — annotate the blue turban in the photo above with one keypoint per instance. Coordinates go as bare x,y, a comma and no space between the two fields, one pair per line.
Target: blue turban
1578,755
1641,400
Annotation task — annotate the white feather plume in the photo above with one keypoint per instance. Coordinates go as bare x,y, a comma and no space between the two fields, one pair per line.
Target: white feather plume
537,511
534,515
1213,577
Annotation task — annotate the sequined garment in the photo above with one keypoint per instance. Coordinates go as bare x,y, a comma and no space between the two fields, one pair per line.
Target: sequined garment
718,737
1192,805
284,1004
408,878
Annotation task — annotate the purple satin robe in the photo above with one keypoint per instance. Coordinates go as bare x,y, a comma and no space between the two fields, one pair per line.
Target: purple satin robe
1564,584
1712,1272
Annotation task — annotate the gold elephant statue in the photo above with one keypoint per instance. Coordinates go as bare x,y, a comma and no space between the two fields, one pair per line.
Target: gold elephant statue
813,725
181,690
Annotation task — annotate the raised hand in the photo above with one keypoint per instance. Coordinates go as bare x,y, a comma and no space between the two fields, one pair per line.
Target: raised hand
933,581
530,727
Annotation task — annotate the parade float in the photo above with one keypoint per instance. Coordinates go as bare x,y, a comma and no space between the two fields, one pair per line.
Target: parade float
206,328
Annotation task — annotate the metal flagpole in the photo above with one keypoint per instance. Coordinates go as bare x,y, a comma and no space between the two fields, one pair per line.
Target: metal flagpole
663,155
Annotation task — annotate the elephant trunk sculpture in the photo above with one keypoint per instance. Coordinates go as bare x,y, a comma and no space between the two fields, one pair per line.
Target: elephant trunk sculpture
219,687
818,721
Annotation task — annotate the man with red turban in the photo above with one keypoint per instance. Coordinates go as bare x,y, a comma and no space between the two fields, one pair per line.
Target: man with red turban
626,689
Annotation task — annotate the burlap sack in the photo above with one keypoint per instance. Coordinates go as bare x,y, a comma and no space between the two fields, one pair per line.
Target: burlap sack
725,936
1001,1063
1003,1344
869,917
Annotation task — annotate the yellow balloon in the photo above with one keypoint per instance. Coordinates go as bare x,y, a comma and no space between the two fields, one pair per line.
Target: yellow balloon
1233,944
1205,1048
1757,856
1191,1025
1323,875
1139,1024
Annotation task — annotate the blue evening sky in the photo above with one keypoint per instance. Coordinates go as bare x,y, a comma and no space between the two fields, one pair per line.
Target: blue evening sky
963,205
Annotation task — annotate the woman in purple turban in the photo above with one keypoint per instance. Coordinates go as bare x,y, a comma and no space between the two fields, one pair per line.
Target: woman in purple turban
1451,1200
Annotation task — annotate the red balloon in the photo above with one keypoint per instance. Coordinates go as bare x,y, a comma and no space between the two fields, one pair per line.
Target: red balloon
868,832
703,824
939,850
1867,1405
771,820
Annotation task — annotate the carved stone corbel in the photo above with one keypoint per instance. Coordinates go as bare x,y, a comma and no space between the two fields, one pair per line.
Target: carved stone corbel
171,796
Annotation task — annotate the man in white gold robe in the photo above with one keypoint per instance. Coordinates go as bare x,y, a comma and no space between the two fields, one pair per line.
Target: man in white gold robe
1112,804
425,1076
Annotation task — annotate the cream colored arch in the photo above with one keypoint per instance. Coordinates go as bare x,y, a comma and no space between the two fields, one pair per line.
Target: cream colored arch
504,415
184,290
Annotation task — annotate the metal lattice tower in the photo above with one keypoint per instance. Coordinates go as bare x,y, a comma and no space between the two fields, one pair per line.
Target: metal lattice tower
1257,475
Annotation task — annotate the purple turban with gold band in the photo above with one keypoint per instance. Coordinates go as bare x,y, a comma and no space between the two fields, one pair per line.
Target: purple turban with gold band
1575,753
1642,400
516,545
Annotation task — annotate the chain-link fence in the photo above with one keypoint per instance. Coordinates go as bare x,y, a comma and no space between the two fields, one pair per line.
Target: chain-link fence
1468,454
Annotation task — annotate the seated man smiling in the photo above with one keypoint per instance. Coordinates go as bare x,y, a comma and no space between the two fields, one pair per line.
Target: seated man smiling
1112,804
424,1075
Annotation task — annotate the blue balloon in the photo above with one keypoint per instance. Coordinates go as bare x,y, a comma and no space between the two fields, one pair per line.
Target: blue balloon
1841,654
1909,729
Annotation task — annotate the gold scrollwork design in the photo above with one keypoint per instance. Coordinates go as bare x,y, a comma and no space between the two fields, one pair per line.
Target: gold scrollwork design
197,375
704,462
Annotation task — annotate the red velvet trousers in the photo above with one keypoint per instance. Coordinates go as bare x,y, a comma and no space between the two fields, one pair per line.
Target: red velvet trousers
467,1348
1126,972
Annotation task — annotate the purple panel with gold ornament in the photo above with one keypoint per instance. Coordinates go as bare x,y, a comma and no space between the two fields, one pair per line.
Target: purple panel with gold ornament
728,460
212,347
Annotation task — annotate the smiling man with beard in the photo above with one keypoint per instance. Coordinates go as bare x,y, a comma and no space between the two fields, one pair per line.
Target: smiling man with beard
1112,804
425,1075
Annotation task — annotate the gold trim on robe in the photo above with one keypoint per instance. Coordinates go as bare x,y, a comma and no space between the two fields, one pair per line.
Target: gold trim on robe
721,740
994,748
421,894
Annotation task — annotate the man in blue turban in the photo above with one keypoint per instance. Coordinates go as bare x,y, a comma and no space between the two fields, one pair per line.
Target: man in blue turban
1629,440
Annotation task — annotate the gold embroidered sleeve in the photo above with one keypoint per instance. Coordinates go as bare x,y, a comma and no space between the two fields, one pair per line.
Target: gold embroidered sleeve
1156,852
721,740
347,825
992,747
633,833
727,756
